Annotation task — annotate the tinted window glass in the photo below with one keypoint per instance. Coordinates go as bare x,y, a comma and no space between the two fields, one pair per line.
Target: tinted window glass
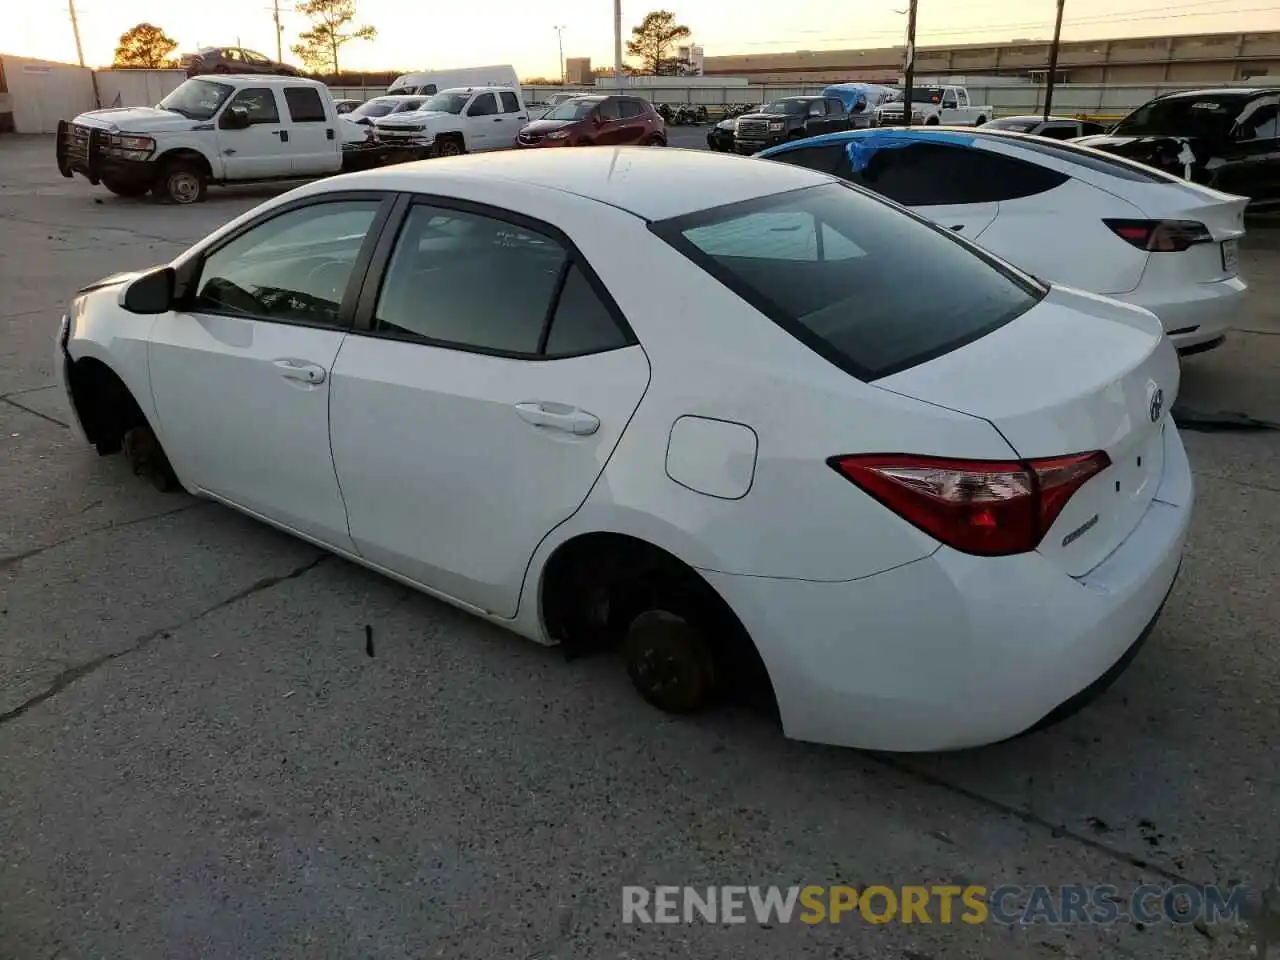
823,159
1195,115
817,108
835,108
868,288
609,110
1258,121
484,105
294,267
1087,128
305,105
471,281
925,174
509,102
1018,126
630,108
1060,131
428,88
260,102
1098,161
582,323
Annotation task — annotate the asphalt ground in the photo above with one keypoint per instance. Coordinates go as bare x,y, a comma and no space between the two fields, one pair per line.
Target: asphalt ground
199,757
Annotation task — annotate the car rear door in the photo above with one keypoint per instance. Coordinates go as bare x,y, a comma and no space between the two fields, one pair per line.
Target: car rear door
513,117
241,373
315,148
487,385
837,117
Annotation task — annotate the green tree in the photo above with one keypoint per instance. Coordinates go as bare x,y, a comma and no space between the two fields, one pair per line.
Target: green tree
330,20
651,42
145,45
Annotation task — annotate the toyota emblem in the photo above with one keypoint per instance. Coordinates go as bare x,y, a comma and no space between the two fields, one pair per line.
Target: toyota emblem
1157,404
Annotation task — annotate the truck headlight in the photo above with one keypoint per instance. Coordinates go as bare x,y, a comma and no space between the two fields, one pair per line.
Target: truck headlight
130,146
777,125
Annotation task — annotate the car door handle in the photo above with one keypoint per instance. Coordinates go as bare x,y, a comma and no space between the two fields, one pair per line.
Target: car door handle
284,135
497,119
300,370
557,416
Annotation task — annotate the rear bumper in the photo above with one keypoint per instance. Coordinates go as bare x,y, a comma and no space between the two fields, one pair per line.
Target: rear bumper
1195,314
955,651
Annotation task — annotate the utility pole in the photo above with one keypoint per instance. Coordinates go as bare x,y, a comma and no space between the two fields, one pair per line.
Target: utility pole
909,74
560,37
1053,60
75,28
617,43
279,31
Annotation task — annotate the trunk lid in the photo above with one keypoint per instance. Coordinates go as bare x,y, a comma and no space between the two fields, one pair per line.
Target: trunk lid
1075,374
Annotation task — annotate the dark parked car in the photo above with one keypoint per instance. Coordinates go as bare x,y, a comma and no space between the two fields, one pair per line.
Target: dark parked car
1056,128
1227,139
233,60
604,121
790,118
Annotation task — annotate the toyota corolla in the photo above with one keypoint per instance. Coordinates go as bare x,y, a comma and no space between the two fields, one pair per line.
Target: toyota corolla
920,498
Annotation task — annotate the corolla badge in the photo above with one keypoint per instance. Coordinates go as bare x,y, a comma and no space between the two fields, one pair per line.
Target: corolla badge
1155,401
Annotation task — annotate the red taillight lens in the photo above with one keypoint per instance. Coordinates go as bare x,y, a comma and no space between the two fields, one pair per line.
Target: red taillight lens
1160,236
990,508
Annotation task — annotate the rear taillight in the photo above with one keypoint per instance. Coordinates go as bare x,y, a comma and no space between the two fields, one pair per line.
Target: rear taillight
1160,236
990,508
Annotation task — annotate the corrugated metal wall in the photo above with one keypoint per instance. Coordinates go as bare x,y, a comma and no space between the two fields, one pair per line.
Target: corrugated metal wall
41,93
136,88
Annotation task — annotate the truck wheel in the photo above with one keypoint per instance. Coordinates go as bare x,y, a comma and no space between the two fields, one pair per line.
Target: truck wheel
981,121
126,189
181,182
450,148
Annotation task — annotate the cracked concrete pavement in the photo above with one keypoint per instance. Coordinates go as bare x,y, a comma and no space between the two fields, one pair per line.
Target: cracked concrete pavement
200,758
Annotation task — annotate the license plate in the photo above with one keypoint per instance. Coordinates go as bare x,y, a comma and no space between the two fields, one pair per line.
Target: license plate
1231,257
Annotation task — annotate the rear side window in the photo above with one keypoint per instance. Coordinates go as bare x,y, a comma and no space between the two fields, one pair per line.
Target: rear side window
509,102
429,89
870,289
929,174
1060,131
835,108
1098,161
305,105
630,108
485,105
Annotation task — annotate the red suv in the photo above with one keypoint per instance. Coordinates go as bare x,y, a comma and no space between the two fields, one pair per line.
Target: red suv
597,121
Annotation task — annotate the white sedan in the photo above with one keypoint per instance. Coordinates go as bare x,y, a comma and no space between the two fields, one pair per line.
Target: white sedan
1066,213
923,499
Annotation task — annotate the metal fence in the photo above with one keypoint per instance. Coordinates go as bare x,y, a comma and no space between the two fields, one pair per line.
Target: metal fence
1092,100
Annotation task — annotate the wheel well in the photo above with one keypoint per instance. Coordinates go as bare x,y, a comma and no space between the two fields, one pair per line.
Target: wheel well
594,585
189,156
106,408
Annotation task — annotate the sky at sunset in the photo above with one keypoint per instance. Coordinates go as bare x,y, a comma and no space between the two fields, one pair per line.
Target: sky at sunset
448,34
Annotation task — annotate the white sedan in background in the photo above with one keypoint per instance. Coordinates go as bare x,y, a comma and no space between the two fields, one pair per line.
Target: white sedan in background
845,458
1063,212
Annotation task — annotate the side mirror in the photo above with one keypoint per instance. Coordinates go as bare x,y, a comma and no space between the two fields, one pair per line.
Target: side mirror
236,118
150,293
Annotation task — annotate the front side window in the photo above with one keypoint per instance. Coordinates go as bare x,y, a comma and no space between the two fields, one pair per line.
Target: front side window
817,109
259,102
485,105
293,268
197,99
1258,121
869,288
473,282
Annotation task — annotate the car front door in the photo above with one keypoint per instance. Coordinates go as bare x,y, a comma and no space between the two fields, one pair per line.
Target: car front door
311,134
241,372
482,118
612,128
262,149
1252,153
485,387
513,117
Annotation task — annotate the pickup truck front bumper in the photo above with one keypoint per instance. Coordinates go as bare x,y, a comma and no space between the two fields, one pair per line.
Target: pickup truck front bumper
744,146
84,150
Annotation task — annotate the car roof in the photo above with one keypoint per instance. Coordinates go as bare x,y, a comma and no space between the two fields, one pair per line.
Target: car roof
1035,119
262,79
1218,92
398,97
476,89
650,183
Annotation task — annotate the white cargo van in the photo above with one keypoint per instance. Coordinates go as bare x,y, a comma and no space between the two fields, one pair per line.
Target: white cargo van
431,82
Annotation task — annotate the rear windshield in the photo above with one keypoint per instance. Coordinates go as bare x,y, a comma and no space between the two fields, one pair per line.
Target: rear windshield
1018,126
1200,115
1096,160
872,289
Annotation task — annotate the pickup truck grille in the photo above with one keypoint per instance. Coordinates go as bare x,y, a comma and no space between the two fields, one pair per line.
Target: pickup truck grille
79,149
75,143
753,129
398,128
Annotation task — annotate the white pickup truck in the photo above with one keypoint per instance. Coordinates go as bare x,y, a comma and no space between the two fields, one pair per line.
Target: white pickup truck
462,120
218,129
932,105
